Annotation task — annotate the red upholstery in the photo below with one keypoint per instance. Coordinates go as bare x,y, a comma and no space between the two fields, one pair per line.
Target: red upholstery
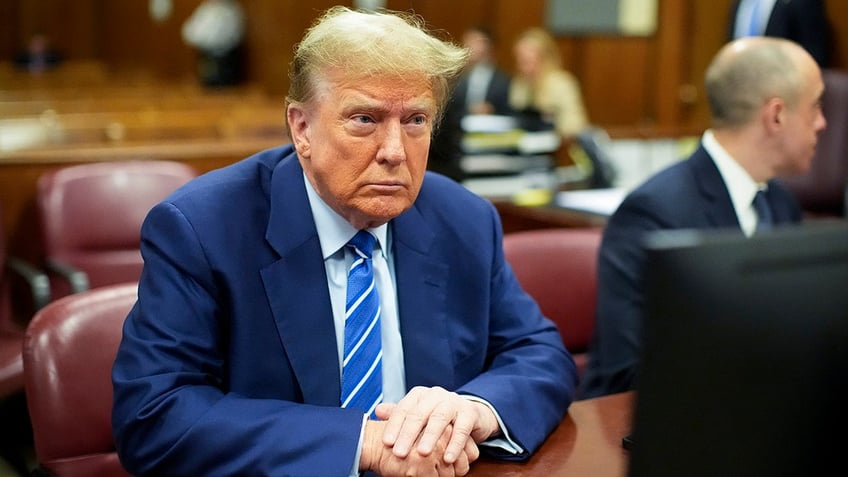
68,352
91,214
558,268
821,191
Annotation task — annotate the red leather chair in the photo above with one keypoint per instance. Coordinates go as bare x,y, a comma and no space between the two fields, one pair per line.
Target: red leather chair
558,268
823,190
91,217
68,352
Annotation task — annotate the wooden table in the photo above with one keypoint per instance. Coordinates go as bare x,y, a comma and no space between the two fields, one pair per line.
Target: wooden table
586,443
516,218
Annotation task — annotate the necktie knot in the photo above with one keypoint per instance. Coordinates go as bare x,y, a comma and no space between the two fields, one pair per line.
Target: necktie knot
363,243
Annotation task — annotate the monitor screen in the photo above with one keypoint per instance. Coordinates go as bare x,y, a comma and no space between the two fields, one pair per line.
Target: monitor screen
745,364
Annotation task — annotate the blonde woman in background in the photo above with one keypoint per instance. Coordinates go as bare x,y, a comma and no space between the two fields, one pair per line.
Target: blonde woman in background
542,85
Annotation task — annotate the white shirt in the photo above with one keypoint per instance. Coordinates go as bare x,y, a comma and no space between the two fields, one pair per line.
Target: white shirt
741,187
478,83
334,232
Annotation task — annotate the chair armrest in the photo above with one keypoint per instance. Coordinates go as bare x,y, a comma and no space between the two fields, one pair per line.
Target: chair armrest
37,280
77,278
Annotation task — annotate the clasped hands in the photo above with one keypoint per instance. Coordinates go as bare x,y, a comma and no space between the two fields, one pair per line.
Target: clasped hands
430,432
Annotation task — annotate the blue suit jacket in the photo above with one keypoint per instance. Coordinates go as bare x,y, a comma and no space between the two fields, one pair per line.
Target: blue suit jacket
228,363
688,195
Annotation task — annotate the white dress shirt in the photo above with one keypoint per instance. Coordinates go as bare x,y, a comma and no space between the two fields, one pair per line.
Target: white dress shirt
741,187
334,232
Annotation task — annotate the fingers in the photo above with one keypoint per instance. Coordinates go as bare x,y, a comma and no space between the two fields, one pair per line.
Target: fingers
463,425
422,416
443,415
407,419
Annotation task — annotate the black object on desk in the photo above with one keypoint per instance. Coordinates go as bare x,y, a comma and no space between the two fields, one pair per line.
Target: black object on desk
745,360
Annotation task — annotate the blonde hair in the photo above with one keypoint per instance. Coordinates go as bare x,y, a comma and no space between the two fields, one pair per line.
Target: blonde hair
364,44
540,39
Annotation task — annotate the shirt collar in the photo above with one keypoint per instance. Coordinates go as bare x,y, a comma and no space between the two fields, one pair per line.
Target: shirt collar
334,232
739,183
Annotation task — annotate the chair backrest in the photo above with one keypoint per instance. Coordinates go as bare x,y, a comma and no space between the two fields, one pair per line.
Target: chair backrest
91,214
822,190
596,144
558,268
68,352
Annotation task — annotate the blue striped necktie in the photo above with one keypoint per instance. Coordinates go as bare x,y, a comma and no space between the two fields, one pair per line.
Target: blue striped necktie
362,374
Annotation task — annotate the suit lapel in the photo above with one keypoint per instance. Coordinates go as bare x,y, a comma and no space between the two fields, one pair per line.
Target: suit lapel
718,208
296,286
422,302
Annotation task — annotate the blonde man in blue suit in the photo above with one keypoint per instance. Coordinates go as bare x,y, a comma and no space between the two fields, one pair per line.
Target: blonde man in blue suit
231,359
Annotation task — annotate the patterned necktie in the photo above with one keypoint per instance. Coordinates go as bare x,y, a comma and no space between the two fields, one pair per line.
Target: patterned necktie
765,220
362,374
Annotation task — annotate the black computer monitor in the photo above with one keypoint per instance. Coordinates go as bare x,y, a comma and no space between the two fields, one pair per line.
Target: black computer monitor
745,365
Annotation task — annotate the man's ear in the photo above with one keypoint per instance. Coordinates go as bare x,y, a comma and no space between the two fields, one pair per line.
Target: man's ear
774,114
298,121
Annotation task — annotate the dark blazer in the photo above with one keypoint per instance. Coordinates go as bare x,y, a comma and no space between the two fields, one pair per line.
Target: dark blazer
446,147
497,93
802,21
688,195
228,363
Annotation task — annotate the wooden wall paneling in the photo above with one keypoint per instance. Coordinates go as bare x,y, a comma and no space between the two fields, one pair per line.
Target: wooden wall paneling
613,97
670,43
154,48
9,28
68,25
706,34
837,13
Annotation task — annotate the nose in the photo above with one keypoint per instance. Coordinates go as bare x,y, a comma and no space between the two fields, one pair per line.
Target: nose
822,123
392,148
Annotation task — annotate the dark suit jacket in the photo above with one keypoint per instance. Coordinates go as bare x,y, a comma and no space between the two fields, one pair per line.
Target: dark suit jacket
446,148
228,363
802,21
497,93
688,195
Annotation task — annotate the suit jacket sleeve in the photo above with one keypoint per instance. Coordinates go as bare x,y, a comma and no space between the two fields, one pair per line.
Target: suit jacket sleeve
173,413
467,325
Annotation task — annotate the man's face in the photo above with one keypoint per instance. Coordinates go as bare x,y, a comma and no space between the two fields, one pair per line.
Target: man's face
804,123
363,144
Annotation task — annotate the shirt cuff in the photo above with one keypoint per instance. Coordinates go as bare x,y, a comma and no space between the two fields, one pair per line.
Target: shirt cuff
504,441
354,471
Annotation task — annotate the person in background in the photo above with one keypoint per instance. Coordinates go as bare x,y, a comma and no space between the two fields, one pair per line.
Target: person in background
765,101
216,30
541,86
39,55
237,358
483,88
802,21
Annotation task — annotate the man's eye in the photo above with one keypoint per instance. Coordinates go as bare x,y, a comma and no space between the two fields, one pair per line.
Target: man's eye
363,119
